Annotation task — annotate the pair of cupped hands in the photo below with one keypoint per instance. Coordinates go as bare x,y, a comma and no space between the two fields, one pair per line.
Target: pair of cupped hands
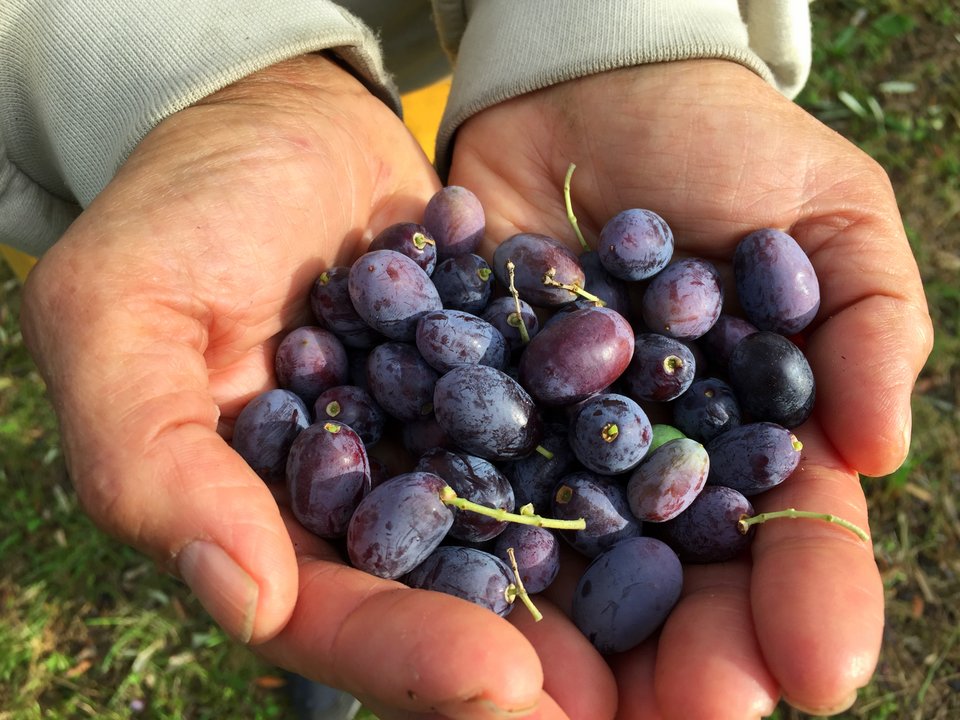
155,317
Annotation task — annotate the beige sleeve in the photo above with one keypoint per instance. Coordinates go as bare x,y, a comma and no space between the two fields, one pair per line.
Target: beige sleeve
504,48
82,81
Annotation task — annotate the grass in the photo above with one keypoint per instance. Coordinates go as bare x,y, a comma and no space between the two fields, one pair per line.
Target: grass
887,76
89,628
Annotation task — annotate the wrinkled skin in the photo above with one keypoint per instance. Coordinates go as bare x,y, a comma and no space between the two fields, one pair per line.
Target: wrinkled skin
154,319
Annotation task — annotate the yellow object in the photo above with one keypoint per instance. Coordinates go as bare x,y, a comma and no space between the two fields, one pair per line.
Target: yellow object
19,261
422,110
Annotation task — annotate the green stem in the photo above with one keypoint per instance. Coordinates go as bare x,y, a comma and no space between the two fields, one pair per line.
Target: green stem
517,590
521,326
420,241
543,451
743,525
610,432
448,496
548,280
570,216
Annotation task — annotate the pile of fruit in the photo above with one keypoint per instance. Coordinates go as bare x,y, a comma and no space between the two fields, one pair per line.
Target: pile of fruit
450,422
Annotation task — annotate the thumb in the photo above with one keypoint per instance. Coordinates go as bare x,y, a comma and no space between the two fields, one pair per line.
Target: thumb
129,383
218,526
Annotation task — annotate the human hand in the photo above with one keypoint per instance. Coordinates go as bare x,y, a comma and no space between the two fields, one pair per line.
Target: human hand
155,319
717,152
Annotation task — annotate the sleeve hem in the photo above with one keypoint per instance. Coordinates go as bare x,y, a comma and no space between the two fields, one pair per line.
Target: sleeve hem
74,104
503,49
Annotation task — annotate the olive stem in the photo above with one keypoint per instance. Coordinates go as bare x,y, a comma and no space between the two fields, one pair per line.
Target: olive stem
420,241
570,216
543,451
743,525
521,326
549,281
610,432
448,496
332,409
517,590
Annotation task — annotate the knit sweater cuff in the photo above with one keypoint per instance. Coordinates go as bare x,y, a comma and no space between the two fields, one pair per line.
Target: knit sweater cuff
74,103
504,48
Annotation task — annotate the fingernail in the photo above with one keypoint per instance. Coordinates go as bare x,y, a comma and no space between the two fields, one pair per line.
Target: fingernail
227,592
907,433
824,710
483,709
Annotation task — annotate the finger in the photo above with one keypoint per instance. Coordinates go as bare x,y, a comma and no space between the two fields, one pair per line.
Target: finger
430,652
547,709
866,360
635,671
313,551
816,592
875,334
575,674
544,636
709,636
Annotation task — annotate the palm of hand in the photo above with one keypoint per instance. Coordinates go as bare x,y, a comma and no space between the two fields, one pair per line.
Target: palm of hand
718,153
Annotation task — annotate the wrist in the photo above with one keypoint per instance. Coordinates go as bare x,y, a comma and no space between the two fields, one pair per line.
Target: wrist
286,84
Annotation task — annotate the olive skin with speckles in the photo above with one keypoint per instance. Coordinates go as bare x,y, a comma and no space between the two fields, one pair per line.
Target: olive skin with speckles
327,474
706,532
753,457
776,283
578,354
626,593
667,481
310,360
610,433
601,501
487,413
467,573
684,299
635,244
265,429
401,381
448,338
391,292
398,524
